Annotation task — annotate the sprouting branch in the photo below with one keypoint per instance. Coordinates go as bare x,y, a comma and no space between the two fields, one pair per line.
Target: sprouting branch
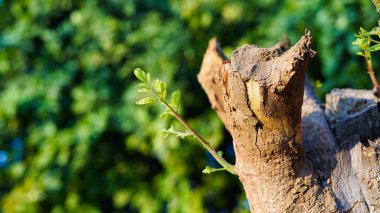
158,88
363,41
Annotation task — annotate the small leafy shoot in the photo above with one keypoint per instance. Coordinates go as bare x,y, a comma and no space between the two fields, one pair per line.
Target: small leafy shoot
364,41
175,100
166,113
146,100
172,131
158,89
144,89
163,90
140,74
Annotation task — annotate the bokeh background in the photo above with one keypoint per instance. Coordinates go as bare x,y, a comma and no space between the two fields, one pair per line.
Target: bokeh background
71,138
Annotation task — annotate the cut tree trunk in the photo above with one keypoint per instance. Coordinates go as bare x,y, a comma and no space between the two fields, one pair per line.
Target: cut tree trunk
259,95
355,120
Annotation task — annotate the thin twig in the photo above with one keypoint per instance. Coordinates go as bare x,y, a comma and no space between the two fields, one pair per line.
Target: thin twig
227,166
372,75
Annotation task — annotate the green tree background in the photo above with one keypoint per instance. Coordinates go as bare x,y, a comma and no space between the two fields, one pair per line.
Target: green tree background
71,138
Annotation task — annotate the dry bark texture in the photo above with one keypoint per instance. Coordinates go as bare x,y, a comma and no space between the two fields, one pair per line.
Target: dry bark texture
258,96
355,120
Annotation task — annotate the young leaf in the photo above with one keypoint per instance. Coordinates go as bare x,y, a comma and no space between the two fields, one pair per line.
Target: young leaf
146,100
156,86
163,90
140,74
165,113
143,85
363,43
318,84
363,31
148,77
374,48
360,54
207,170
144,89
176,97
356,42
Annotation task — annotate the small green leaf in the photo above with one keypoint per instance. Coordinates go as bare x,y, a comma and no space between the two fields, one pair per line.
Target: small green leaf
360,54
318,84
163,90
220,153
207,170
140,74
176,95
358,41
146,100
374,48
165,113
144,89
148,77
175,100
363,43
143,85
363,31
156,86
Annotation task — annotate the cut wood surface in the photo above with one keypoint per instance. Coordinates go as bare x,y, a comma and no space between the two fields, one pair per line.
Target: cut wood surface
258,95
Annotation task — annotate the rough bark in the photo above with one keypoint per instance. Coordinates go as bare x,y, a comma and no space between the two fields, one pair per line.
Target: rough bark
213,62
318,141
354,116
258,96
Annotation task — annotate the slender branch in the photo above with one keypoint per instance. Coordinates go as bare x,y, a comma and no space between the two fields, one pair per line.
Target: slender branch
227,166
209,170
373,40
372,75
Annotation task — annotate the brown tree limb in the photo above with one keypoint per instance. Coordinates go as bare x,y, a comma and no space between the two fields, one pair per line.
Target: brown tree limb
259,96
213,62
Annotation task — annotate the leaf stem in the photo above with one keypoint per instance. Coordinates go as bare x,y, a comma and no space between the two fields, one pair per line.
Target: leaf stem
209,170
373,40
227,166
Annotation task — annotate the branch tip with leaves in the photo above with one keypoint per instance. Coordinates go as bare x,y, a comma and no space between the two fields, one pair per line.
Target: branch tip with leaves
363,41
158,92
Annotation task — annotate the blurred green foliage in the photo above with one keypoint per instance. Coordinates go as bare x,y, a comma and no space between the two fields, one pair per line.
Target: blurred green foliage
71,138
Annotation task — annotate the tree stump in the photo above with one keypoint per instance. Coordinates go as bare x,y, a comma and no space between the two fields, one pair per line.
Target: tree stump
354,118
260,96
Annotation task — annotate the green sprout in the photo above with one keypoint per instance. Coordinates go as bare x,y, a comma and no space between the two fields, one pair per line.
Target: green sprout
364,41
157,91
